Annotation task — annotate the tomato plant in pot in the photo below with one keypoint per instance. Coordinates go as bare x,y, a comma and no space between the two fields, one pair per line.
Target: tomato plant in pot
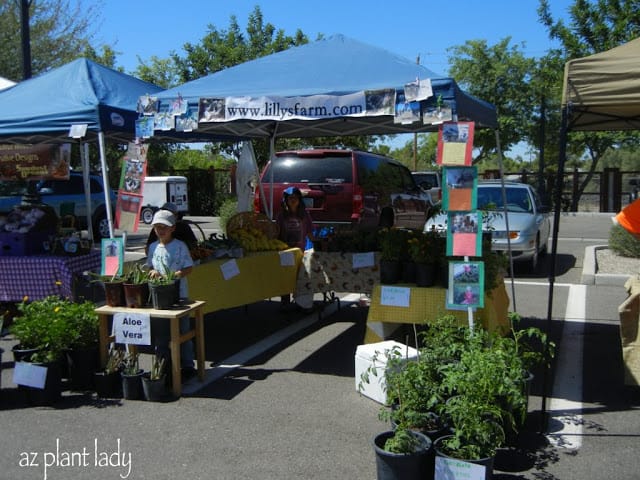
403,454
82,349
425,252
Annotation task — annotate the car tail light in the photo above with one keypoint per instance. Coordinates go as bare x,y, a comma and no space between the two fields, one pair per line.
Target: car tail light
357,203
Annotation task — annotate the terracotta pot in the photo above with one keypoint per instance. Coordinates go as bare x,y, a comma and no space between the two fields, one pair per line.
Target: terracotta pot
136,294
114,294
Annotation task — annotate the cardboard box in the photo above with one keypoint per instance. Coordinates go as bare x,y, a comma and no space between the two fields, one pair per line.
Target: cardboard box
375,355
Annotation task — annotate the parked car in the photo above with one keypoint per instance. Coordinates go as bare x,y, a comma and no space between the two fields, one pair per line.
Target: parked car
61,193
529,224
430,182
346,188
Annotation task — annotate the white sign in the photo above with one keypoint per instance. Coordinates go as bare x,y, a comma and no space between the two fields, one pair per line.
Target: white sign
132,328
78,130
287,259
362,260
453,469
395,296
29,374
229,269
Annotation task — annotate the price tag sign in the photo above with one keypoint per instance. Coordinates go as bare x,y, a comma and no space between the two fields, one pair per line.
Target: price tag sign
29,374
362,260
287,259
132,328
395,296
229,269
452,469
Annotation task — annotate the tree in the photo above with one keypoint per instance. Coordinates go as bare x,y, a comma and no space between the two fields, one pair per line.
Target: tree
594,27
60,31
499,74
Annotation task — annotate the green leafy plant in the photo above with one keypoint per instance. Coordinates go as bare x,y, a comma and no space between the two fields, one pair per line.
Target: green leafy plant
47,325
402,441
136,273
157,367
425,247
623,243
169,277
131,364
115,360
393,243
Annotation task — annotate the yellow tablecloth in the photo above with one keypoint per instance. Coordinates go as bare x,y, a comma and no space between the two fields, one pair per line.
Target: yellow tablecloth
261,276
428,304
334,272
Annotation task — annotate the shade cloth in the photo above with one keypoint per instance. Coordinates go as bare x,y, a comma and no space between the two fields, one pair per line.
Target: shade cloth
427,304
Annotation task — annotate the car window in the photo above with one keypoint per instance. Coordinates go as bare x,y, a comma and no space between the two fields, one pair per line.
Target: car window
518,199
292,169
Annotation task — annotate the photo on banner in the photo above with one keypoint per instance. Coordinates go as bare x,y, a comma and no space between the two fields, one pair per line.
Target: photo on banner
464,235
466,285
455,143
112,250
129,203
460,192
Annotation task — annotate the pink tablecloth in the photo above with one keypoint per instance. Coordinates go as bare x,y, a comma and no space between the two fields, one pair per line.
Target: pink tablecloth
38,276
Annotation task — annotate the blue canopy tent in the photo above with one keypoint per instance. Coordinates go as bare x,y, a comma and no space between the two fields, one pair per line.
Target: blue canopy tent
332,87
82,92
315,72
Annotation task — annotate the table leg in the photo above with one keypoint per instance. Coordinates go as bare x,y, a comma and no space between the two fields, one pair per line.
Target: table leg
174,345
200,343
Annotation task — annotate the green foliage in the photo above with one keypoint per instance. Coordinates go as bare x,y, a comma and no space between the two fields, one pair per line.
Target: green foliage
402,441
623,243
393,243
54,325
227,210
60,31
157,367
131,364
424,247
136,273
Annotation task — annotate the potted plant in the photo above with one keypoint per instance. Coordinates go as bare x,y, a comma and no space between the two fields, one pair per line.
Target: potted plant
132,377
82,343
113,288
153,382
424,251
393,245
136,285
108,383
403,454
40,328
164,290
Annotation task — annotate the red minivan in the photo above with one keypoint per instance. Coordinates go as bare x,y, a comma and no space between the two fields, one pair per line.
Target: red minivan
345,188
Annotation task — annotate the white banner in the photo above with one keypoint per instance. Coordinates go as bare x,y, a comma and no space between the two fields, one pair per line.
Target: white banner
313,107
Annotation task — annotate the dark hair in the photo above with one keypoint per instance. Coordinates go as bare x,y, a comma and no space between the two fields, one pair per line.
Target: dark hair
286,194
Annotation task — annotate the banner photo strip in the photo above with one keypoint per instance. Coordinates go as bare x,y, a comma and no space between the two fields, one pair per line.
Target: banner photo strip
464,235
455,143
466,285
459,192
129,203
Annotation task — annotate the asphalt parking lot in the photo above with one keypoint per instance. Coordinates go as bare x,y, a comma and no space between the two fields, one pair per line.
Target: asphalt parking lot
284,403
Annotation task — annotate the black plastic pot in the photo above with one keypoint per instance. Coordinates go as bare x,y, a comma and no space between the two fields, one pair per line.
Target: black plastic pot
390,271
154,390
132,386
82,363
108,385
403,466
21,354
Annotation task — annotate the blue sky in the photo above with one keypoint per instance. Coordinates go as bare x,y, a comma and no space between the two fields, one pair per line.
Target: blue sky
142,28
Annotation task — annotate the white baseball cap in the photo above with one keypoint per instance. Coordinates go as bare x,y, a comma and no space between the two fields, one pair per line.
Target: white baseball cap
164,217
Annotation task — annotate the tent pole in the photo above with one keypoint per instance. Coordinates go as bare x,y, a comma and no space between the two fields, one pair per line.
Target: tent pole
272,154
562,156
506,217
84,158
105,180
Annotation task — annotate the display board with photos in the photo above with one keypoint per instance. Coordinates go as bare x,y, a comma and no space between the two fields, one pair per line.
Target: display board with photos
455,143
